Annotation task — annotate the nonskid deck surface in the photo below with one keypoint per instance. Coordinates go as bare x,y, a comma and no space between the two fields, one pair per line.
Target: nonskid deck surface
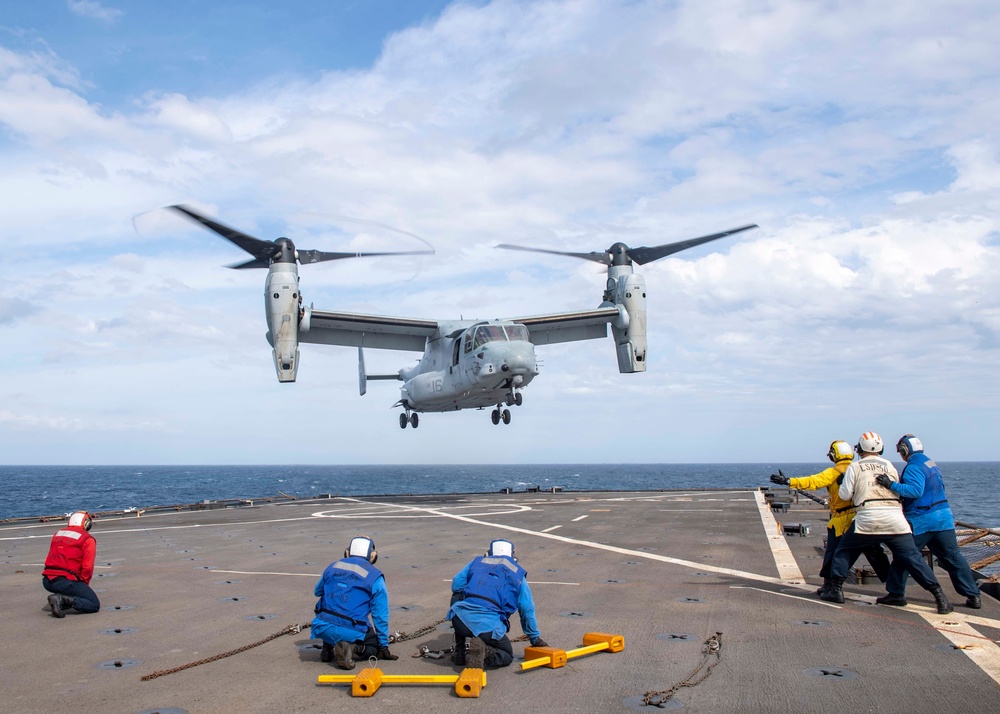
666,570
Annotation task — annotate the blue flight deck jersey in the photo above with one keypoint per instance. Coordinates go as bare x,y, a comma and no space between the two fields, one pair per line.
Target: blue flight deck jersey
925,504
482,616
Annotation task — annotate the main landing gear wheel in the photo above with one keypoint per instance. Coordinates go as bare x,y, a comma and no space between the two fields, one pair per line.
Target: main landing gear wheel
518,399
505,415
495,416
414,420
403,421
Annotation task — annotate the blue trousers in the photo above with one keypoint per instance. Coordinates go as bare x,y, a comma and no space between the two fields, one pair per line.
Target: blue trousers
900,545
874,553
504,650
85,600
331,634
944,546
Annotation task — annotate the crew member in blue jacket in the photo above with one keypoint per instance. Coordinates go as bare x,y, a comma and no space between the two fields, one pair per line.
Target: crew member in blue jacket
485,593
350,591
925,506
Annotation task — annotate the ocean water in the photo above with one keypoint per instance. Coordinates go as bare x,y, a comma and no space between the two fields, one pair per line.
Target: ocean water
52,490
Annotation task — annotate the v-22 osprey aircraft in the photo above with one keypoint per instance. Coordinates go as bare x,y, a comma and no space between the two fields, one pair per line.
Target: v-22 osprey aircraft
466,364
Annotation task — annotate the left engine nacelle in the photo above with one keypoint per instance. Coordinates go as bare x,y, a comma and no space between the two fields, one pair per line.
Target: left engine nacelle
629,292
281,305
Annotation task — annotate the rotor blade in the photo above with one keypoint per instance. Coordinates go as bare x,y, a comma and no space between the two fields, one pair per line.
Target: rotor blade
645,255
255,263
596,257
262,250
318,256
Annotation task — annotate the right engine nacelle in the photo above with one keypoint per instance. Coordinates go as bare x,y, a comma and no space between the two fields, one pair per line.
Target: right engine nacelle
281,305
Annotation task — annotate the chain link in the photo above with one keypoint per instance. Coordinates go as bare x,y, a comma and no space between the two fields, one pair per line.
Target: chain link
290,630
713,648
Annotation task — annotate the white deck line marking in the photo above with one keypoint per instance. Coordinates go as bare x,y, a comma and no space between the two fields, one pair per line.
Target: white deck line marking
812,600
703,567
580,518
689,510
261,572
983,652
549,530
783,558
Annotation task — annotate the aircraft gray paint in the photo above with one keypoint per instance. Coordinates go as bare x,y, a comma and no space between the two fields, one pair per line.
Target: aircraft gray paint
466,364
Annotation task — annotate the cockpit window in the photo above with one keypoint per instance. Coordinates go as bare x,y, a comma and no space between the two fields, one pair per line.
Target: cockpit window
517,333
489,333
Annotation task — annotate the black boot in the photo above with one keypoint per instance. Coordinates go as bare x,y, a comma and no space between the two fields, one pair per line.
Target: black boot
59,604
974,602
343,652
823,588
326,654
891,599
477,653
835,593
943,606
458,657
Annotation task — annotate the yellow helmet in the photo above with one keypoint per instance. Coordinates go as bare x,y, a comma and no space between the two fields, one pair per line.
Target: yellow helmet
840,451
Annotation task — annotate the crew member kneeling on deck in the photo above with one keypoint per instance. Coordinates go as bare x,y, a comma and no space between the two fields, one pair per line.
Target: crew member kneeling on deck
352,590
485,593
878,519
69,566
841,511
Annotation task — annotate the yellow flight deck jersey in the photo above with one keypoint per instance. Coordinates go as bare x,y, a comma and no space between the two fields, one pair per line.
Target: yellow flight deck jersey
841,511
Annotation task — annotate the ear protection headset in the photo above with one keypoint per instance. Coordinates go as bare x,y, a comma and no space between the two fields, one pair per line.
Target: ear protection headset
81,519
362,547
908,445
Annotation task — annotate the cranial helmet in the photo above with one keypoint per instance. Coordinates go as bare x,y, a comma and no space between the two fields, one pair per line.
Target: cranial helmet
840,451
362,547
908,444
81,519
870,443
501,547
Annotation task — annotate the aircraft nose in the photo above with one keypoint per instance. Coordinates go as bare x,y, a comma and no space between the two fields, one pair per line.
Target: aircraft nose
520,359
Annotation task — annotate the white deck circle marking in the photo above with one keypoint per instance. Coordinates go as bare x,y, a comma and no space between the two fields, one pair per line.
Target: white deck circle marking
496,509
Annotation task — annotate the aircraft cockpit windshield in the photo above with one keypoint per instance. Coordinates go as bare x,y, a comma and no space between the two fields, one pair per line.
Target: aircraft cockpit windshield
495,333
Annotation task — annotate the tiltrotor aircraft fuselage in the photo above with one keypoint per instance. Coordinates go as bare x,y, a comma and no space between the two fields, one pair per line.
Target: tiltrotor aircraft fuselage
466,364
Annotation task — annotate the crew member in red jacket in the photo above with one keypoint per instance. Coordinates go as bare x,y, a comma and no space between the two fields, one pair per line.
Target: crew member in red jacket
69,567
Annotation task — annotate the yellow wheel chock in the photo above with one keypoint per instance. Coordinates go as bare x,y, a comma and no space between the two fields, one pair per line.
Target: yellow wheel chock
554,658
366,682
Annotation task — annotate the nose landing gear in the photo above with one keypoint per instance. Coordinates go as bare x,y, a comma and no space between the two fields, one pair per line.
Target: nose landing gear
497,415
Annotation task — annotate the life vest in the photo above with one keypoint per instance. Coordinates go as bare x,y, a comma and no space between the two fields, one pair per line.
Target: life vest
71,554
867,492
933,498
496,580
347,593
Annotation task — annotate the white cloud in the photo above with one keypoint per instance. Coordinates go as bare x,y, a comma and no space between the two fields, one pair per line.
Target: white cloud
859,136
94,10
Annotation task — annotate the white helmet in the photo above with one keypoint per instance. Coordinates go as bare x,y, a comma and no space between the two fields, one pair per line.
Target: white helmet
501,547
362,547
870,443
81,519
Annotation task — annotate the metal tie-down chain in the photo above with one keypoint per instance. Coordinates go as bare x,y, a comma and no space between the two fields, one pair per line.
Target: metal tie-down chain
713,648
290,630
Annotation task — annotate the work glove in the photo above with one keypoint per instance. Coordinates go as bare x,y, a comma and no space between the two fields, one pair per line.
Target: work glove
539,642
883,480
779,478
384,653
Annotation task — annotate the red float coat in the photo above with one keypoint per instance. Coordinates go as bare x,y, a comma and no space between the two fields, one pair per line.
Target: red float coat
71,555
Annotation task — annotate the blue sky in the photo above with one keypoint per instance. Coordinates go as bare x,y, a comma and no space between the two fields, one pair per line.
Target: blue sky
861,137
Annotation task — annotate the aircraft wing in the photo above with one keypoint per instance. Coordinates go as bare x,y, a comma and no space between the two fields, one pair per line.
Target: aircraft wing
568,326
376,331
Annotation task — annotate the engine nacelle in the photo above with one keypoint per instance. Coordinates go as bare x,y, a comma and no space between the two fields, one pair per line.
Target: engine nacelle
629,292
281,306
